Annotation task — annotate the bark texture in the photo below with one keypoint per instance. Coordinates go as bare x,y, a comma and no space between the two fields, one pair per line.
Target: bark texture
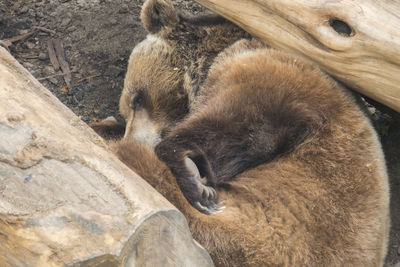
65,200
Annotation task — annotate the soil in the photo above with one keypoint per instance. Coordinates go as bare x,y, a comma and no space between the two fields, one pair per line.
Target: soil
98,36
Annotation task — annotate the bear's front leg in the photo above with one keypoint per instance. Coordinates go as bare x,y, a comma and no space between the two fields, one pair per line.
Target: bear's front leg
193,174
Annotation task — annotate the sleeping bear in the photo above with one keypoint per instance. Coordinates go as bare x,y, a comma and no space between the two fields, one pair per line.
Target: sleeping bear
213,116
167,69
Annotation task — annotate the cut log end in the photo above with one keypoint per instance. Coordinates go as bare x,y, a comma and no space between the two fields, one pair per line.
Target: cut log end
65,200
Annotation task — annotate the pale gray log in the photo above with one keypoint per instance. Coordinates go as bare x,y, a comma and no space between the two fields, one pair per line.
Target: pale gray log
366,59
65,200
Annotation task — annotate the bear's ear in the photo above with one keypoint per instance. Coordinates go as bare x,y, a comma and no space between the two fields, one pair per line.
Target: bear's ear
157,14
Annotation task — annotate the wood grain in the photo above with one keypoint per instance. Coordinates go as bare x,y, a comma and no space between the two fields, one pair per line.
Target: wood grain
364,55
66,200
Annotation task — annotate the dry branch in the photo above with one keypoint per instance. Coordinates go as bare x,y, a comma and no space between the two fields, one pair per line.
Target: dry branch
52,55
63,63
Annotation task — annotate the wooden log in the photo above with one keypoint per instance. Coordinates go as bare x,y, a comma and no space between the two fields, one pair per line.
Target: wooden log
357,42
66,200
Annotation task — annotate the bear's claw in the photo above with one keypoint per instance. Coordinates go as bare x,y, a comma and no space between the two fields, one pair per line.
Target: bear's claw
214,209
203,197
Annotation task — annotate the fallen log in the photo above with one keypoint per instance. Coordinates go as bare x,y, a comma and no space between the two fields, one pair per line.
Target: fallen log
66,200
357,42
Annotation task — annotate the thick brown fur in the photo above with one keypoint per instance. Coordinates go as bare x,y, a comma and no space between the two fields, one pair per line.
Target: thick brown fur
297,163
167,69
226,243
108,129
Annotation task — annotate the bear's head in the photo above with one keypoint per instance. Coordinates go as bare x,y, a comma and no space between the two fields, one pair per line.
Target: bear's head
166,70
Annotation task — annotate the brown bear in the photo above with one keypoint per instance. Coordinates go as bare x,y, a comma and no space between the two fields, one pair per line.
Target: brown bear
167,69
296,161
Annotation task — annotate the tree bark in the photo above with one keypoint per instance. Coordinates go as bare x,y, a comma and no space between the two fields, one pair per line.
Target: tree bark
65,200
357,42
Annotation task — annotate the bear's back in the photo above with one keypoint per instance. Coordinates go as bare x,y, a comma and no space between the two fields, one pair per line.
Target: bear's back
327,200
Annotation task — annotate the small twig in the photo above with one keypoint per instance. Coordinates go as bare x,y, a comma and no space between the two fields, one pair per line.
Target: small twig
5,45
30,56
52,55
19,37
88,77
43,29
9,41
63,63
51,76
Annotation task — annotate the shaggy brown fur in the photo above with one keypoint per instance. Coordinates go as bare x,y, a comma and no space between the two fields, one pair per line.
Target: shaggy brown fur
319,196
109,130
298,164
295,160
227,244
167,69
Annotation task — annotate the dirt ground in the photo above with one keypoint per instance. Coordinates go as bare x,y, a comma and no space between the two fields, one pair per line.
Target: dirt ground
97,37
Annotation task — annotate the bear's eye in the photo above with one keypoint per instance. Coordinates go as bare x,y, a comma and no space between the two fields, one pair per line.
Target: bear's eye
137,101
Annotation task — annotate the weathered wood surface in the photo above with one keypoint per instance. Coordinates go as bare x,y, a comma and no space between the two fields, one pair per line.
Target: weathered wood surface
365,56
65,200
